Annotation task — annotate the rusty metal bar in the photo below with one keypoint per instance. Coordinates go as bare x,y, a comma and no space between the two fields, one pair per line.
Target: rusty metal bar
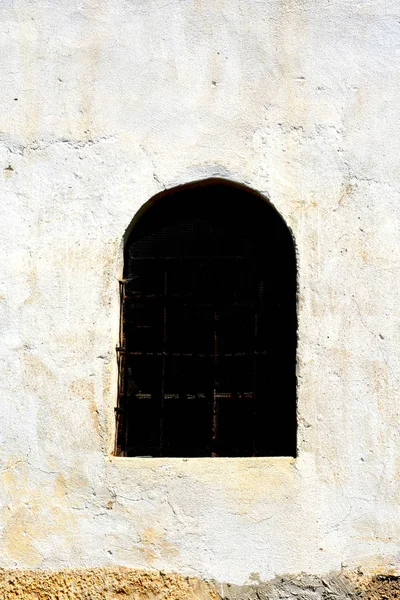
190,354
122,425
255,365
164,354
214,427
200,395
197,257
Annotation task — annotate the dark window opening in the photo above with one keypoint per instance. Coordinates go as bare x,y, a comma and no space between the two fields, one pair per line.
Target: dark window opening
207,355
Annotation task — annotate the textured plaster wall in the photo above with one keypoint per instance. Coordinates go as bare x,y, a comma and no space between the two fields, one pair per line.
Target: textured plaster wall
104,104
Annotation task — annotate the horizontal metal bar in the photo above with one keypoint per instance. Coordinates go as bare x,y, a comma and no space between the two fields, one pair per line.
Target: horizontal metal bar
178,295
196,396
191,354
143,299
202,257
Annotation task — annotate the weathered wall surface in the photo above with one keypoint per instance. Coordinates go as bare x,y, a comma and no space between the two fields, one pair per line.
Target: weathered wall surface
133,584
102,584
104,104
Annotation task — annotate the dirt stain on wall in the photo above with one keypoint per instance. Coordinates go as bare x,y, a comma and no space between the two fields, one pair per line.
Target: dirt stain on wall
84,388
155,545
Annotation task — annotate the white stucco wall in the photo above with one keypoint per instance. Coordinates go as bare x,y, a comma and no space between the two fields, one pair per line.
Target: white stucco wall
104,104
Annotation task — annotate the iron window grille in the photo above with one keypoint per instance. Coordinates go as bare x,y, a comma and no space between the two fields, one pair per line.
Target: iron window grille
207,350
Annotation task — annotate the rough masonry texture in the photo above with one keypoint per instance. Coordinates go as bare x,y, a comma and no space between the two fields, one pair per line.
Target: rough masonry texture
134,584
105,103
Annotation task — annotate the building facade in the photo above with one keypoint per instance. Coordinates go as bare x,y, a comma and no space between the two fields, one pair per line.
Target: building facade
107,104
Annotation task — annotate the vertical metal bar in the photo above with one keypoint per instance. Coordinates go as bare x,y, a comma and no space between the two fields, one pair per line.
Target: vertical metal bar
163,359
117,445
123,372
255,365
214,433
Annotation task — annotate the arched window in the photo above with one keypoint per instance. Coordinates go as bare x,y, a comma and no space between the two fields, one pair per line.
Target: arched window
208,327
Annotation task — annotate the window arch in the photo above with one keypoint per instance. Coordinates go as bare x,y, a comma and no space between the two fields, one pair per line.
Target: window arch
207,354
